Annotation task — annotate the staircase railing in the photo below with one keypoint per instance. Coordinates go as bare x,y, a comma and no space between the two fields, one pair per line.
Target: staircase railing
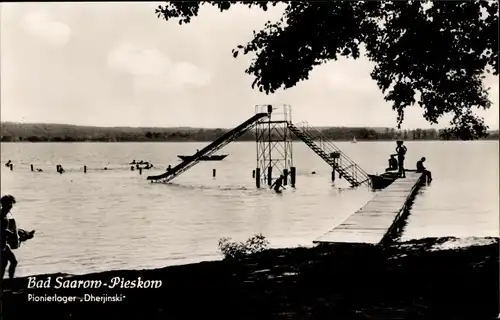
343,164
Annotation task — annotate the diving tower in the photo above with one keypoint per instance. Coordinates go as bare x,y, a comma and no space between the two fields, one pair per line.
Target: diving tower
273,135
274,144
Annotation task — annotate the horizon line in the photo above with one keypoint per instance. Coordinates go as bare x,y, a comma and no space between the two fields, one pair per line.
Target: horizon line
200,127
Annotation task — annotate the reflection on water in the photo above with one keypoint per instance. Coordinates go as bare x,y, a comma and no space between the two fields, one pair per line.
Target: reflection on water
114,219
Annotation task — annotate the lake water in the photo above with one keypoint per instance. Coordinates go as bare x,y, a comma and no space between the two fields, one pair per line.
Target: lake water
115,219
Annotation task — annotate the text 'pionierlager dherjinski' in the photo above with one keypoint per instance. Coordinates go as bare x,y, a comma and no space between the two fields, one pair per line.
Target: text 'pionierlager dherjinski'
113,283
56,298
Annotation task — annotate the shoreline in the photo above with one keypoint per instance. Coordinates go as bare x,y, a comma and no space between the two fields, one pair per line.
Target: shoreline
345,281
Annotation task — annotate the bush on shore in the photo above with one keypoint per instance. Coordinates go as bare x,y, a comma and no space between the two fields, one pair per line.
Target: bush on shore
238,250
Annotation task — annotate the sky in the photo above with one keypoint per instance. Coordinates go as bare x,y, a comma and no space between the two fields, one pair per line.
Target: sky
117,64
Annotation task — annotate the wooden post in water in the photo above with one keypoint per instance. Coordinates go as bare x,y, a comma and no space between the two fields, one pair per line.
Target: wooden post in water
253,174
213,173
57,168
257,177
32,169
270,176
335,156
140,170
292,178
84,169
11,167
285,173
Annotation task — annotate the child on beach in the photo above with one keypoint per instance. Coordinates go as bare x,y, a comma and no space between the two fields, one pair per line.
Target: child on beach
7,255
7,235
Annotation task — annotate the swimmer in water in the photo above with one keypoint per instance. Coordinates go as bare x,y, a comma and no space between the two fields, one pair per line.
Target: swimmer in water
278,184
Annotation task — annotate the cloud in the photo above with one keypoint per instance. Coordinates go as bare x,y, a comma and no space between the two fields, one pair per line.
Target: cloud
41,24
154,70
137,61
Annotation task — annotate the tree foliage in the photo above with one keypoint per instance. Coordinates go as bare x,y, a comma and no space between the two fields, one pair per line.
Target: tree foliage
434,54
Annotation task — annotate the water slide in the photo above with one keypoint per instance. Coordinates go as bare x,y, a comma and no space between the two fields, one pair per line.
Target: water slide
210,149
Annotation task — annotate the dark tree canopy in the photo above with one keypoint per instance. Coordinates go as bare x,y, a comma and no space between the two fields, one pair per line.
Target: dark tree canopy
432,53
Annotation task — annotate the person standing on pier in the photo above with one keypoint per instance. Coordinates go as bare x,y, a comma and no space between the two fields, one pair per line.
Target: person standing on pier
401,152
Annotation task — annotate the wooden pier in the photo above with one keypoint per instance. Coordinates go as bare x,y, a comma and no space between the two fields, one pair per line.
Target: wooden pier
376,222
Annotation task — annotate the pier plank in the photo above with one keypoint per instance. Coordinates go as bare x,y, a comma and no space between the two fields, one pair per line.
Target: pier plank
371,223
352,236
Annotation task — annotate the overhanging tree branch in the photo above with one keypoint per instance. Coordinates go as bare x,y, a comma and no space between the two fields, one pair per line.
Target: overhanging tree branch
433,54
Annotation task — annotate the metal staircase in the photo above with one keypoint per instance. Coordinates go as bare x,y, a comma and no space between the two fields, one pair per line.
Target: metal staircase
210,149
324,148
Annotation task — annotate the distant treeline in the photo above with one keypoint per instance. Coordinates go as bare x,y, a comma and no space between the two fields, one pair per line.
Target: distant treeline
28,132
